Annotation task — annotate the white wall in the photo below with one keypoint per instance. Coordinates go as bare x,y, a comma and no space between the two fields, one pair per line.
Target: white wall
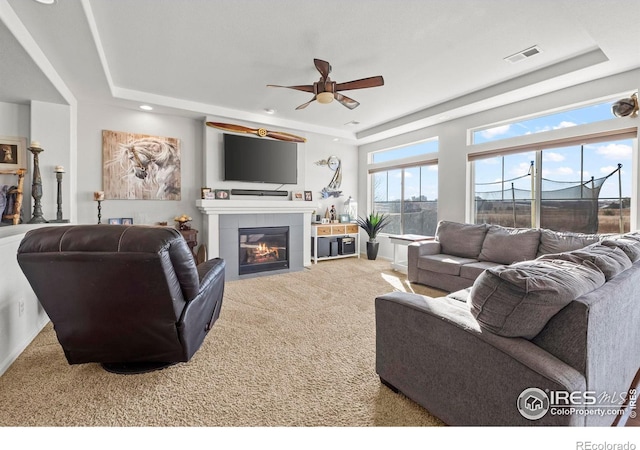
453,142
21,316
51,126
92,119
311,177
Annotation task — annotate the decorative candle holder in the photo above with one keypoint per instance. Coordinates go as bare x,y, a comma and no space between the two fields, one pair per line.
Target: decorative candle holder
59,170
98,196
36,186
183,222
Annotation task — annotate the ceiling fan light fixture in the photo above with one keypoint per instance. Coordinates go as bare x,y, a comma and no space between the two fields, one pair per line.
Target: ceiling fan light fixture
324,97
626,107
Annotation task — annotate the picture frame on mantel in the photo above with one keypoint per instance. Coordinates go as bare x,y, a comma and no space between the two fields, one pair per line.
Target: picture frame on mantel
297,195
222,194
13,153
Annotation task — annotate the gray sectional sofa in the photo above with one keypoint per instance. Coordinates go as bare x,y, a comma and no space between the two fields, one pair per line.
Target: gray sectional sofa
461,252
510,347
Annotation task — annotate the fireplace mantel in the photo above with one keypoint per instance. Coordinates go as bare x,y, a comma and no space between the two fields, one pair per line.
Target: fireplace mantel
212,209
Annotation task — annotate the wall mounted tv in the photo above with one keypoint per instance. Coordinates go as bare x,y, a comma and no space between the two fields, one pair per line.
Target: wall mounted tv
260,160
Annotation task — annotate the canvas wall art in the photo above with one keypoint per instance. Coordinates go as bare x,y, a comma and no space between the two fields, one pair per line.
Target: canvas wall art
140,167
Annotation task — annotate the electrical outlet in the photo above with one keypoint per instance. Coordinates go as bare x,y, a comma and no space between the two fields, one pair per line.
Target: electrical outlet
20,308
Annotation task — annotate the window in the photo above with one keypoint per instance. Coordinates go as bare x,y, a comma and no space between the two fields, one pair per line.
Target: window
410,196
404,185
564,119
580,188
429,146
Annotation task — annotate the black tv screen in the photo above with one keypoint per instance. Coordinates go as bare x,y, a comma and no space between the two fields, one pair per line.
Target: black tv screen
260,160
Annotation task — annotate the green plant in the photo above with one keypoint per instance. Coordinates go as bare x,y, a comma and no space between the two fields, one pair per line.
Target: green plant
373,224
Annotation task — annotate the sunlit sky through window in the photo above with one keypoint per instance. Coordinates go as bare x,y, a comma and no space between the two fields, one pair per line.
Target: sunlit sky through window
558,164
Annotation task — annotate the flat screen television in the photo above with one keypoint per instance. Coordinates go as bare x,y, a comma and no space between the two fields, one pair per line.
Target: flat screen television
260,160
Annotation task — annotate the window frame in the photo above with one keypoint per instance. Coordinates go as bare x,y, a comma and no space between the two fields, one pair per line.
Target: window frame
601,131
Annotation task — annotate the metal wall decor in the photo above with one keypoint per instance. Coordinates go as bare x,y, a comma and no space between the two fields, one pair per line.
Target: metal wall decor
332,189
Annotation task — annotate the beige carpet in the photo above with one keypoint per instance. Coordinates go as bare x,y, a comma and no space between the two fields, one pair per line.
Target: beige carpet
288,350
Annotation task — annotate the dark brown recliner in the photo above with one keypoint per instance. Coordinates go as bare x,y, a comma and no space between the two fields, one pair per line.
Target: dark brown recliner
129,297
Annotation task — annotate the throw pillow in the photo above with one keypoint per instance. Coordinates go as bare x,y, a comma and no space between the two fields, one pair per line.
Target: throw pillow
564,241
610,260
460,239
508,245
518,300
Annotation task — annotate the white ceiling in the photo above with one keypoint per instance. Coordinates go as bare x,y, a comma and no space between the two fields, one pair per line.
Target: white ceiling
215,57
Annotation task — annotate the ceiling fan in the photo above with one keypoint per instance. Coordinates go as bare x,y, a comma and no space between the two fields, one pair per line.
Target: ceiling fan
325,89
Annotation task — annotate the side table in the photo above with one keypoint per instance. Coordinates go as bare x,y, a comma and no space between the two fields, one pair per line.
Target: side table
191,236
399,263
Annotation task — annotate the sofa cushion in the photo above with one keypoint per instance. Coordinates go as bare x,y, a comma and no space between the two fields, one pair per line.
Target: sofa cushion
446,264
518,300
461,239
610,260
630,246
471,271
508,245
563,241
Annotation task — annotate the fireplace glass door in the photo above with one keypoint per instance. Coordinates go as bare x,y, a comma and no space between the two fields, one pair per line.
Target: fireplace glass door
263,249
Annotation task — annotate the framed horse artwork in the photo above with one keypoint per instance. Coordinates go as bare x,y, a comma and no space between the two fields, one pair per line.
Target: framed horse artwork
140,167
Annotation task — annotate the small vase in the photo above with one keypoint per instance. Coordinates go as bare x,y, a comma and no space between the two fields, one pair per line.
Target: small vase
372,249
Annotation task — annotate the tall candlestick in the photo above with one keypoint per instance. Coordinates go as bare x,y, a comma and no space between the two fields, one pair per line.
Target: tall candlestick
99,196
59,170
36,186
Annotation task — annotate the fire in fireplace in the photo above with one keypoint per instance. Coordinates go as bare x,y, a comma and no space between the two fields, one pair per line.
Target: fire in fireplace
263,249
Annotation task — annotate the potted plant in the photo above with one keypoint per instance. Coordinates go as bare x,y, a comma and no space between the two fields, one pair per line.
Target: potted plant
372,225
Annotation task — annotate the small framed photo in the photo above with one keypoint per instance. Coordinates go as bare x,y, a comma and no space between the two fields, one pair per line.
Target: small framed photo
344,218
209,195
222,194
115,221
297,195
127,221
308,196
204,191
13,153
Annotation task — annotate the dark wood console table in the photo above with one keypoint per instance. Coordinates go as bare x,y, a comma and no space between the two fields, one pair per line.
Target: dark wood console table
191,236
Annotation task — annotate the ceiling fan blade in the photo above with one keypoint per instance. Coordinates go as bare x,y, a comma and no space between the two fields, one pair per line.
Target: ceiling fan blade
304,105
231,127
304,87
323,67
361,84
282,136
346,101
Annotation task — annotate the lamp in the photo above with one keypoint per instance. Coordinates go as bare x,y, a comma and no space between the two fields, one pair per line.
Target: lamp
324,97
626,107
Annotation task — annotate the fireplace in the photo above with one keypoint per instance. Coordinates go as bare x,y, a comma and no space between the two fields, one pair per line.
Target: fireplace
263,249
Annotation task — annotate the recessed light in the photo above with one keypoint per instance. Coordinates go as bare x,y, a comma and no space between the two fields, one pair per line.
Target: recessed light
270,110
146,107
46,2
336,139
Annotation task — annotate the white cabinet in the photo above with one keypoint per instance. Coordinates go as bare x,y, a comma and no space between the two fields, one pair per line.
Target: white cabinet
329,232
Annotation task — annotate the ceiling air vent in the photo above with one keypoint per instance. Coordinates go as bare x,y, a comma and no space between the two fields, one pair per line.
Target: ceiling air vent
524,54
